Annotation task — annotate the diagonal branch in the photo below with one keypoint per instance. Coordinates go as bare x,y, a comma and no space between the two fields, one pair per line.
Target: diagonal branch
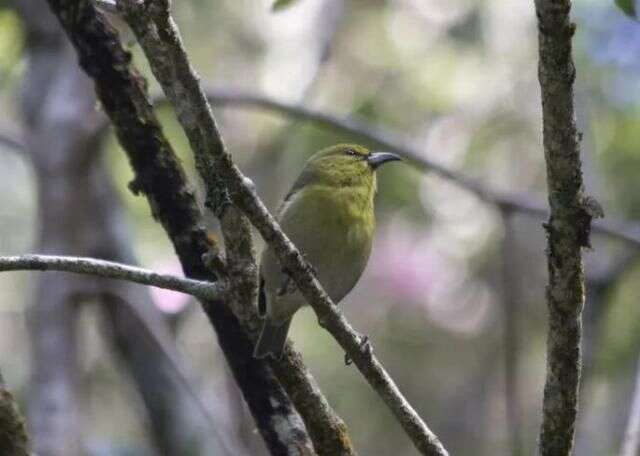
159,176
514,202
109,269
162,45
521,203
159,38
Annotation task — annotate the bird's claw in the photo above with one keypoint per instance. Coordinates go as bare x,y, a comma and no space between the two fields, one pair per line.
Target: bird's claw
365,347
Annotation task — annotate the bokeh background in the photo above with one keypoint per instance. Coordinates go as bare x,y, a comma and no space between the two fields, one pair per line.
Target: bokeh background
453,297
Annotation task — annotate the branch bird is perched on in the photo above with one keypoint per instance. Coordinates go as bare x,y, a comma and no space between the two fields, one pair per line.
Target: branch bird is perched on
328,215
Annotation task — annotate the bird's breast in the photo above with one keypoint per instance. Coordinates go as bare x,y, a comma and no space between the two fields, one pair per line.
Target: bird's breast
334,230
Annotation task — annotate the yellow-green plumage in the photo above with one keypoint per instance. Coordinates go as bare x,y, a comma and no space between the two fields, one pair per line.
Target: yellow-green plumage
328,215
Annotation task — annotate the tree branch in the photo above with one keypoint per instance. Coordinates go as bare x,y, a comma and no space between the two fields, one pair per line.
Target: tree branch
13,432
159,38
159,175
521,203
161,42
568,228
109,269
622,231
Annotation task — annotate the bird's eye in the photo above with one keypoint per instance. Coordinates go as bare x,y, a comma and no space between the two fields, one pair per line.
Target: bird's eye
351,152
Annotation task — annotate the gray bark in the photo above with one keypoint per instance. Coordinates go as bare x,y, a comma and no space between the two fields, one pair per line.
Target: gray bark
568,228
80,213
160,177
160,40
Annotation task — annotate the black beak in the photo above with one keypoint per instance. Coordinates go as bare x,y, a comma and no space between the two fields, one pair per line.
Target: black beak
376,159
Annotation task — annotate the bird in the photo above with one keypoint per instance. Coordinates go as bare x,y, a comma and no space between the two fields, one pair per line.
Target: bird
329,216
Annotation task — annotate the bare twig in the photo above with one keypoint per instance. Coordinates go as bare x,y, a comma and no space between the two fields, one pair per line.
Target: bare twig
627,232
568,228
92,266
631,442
521,203
158,36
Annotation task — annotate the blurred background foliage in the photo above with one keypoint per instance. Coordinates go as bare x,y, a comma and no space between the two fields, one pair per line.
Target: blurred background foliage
458,80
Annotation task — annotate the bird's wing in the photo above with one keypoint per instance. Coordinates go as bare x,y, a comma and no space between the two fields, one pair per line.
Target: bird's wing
307,176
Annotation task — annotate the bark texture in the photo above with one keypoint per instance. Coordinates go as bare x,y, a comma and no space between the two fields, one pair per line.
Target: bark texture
161,42
568,227
80,213
160,177
158,36
13,432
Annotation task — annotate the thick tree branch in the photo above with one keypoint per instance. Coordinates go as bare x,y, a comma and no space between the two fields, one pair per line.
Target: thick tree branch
568,227
121,90
159,38
13,432
101,268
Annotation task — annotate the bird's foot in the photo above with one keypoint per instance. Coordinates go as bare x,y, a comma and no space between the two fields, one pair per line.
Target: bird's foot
365,347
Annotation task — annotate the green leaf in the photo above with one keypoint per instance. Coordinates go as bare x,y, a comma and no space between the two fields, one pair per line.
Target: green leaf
628,7
279,5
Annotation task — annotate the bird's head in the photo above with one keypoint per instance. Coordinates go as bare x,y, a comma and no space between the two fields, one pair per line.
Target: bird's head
345,165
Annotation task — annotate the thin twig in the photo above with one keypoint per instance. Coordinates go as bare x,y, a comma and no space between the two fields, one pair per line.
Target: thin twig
568,227
159,37
109,269
631,442
627,232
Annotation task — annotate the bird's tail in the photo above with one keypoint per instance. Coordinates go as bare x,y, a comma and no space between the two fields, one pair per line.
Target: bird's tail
272,339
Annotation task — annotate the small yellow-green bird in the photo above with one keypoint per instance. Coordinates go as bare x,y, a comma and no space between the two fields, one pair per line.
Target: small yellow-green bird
328,215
